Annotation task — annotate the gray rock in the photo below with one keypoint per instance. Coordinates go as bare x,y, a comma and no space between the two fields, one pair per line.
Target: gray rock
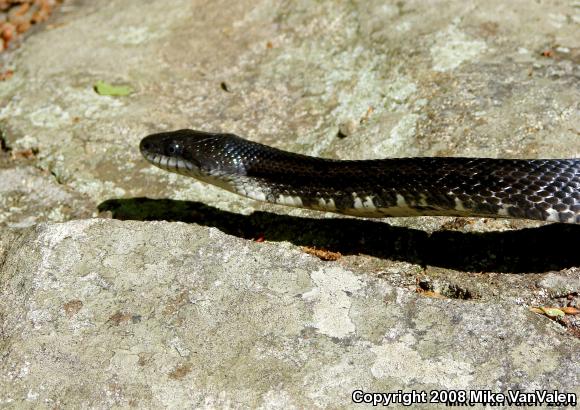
460,79
561,285
29,195
108,313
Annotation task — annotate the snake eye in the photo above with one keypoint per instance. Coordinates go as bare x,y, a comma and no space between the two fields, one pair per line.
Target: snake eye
174,148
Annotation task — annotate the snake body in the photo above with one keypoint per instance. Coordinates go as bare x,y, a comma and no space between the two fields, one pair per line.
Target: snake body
541,189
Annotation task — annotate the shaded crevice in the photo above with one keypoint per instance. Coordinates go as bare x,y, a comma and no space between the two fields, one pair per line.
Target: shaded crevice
57,178
532,250
449,290
4,147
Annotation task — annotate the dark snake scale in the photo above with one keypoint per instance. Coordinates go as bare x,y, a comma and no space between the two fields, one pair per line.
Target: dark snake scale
542,189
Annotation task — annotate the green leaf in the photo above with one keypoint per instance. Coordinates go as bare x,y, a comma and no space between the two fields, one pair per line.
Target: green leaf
103,88
552,312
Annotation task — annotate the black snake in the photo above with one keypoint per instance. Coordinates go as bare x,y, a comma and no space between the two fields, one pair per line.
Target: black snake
542,189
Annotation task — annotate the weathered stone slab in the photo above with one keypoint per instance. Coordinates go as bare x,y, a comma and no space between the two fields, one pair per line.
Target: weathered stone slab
106,313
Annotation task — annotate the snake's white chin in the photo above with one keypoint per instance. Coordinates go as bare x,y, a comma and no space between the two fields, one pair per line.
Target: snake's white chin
172,164
187,168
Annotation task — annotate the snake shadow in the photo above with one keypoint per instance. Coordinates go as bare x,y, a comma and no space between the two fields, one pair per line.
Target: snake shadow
533,250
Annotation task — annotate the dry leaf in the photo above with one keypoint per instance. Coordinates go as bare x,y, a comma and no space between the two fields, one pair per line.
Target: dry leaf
430,294
322,253
570,310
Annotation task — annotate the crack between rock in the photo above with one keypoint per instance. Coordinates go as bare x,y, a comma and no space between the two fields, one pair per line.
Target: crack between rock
4,147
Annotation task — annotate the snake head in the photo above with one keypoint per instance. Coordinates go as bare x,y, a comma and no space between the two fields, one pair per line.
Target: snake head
193,153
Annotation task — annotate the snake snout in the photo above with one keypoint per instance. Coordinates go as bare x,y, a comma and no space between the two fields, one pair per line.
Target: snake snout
161,145
175,151
150,145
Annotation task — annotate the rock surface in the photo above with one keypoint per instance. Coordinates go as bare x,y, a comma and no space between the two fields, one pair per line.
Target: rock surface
106,313
110,313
